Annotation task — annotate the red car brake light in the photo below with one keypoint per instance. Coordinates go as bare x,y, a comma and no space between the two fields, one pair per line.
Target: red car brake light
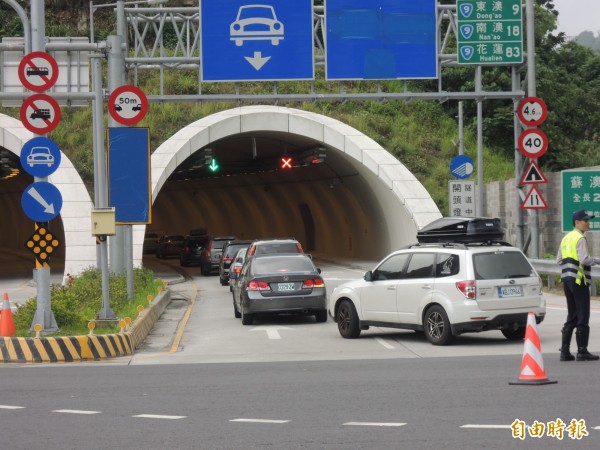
258,286
313,283
299,248
467,288
227,260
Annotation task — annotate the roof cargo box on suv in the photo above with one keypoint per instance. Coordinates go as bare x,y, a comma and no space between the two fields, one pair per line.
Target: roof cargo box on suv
461,229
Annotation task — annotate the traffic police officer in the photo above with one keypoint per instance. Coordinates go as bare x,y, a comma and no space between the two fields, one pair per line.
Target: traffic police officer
575,261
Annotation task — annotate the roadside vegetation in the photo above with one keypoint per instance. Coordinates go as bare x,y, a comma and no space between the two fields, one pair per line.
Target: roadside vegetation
421,134
76,303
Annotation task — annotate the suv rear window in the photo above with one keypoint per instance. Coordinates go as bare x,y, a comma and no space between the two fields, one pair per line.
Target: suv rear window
219,244
500,265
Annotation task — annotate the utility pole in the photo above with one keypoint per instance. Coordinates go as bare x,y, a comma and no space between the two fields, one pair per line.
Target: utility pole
43,314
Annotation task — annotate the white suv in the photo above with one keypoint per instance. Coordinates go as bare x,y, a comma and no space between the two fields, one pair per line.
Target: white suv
443,289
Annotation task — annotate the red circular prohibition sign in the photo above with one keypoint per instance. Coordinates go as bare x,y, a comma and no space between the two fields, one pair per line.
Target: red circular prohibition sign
40,113
533,143
40,67
127,104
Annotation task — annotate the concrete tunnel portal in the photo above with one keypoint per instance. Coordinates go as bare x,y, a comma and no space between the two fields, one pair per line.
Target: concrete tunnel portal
359,202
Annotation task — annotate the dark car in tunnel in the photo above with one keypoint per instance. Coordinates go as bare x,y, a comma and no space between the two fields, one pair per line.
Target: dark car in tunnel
229,251
169,246
191,253
211,256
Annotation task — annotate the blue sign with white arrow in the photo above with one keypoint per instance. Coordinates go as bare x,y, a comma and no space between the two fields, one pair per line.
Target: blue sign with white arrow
41,201
244,41
462,166
40,157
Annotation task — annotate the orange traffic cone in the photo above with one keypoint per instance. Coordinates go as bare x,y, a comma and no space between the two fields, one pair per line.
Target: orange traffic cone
7,323
532,367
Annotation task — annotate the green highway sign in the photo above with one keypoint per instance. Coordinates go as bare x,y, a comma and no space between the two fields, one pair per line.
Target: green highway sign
489,31
580,190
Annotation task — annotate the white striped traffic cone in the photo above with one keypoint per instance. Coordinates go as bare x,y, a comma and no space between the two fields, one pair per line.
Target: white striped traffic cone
532,366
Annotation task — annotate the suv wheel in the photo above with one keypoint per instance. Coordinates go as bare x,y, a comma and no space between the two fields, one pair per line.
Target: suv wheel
437,326
514,335
347,320
223,281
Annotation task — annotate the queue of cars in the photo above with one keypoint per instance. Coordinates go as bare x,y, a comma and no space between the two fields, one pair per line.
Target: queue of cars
460,277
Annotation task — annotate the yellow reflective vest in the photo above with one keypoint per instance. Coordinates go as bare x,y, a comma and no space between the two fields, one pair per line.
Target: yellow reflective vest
570,265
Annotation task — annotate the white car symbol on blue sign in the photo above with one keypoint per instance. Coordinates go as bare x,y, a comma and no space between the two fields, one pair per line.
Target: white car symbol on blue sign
256,23
41,201
40,157
243,41
462,166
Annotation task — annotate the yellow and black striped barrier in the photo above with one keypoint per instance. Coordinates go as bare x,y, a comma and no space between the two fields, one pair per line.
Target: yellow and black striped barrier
81,348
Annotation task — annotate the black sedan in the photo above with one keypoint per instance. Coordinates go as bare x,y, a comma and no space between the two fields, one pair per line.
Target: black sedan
282,283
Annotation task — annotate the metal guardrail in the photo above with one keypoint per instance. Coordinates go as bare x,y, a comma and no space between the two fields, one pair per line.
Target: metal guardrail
550,267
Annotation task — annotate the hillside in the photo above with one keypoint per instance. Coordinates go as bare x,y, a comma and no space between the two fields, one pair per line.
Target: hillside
420,134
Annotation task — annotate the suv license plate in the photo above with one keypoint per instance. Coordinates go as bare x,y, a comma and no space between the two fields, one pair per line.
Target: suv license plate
285,287
509,291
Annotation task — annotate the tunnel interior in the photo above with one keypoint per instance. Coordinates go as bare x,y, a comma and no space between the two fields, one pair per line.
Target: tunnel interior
322,200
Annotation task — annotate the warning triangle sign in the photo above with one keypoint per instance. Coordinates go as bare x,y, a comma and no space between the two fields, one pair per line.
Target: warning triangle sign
533,175
534,200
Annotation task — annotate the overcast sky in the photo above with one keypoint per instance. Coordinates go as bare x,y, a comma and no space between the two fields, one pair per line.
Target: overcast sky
576,16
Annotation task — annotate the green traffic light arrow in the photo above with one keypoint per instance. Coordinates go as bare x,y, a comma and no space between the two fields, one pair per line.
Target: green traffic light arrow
213,166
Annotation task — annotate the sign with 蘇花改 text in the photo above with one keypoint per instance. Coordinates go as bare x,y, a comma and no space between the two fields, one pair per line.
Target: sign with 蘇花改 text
580,190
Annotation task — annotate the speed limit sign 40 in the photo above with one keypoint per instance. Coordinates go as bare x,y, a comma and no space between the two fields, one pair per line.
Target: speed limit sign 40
533,143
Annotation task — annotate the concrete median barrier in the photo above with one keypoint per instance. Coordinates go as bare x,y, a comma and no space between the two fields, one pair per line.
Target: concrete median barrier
88,347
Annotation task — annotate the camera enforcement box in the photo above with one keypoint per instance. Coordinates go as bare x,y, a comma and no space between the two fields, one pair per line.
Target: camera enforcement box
461,229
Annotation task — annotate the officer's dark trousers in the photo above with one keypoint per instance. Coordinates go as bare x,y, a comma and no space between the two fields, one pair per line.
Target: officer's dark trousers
578,304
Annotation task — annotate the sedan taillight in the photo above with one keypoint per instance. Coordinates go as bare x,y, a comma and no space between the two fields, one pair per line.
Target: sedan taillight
467,288
258,286
313,283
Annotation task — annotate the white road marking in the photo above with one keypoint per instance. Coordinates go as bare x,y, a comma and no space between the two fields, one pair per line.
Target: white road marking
376,424
75,411
11,407
158,416
385,344
485,426
259,421
272,332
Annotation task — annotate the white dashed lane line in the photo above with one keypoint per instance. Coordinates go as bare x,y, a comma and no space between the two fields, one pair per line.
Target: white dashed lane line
75,411
385,344
158,416
484,426
11,407
375,424
260,421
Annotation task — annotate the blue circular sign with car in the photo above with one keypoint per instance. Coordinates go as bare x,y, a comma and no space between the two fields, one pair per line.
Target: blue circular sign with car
40,157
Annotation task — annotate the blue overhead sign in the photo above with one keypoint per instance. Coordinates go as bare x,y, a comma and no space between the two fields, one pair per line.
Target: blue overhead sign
129,174
242,41
41,201
380,39
40,157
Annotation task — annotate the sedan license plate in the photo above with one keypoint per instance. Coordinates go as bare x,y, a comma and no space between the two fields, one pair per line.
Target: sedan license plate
509,291
285,287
